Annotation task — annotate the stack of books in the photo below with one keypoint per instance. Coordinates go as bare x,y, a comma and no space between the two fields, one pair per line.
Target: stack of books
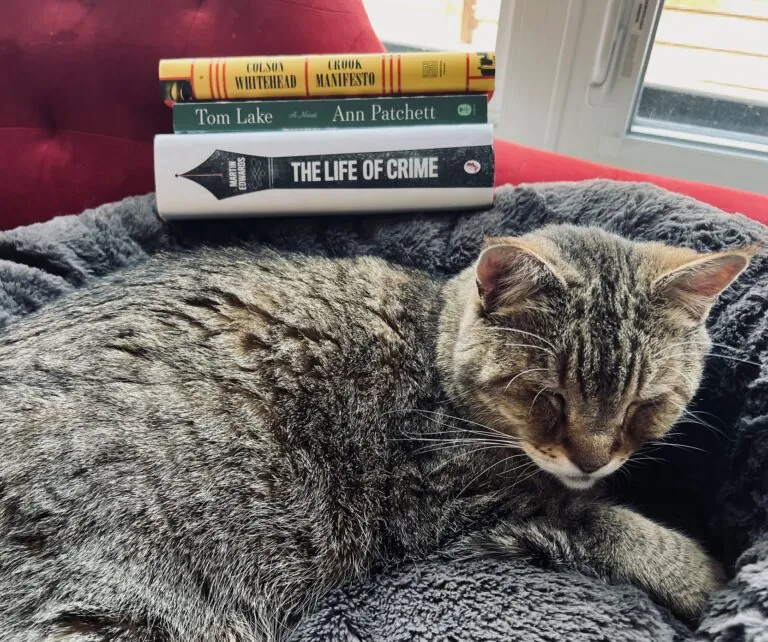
325,134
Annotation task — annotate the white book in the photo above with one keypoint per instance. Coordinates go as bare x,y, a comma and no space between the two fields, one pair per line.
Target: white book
432,167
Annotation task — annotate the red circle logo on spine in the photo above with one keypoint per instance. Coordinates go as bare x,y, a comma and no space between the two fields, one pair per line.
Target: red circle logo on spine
472,167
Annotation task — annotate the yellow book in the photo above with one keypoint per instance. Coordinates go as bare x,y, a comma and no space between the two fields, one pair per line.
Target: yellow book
444,72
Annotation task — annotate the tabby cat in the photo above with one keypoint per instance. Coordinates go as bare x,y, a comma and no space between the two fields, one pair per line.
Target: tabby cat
198,448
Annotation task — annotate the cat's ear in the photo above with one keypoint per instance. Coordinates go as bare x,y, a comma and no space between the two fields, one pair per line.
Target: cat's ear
514,274
694,285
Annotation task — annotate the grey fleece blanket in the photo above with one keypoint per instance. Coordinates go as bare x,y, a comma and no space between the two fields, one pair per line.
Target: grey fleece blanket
717,492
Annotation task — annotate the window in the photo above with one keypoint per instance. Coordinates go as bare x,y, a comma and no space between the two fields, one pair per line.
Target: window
447,25
707,75
677,88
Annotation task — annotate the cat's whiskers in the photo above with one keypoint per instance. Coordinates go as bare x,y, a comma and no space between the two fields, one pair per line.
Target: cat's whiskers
644,458
468,454
736,359
485,441
676,445
518,469
553,350
530,475
678,355
457,436
643,453
624,470
693,418
684,344
466,421
471,346
484,471
440,444
543,388
472,434
471,439
701,342
520,374
649,448
717,356
490,429
686,377
722,345
709,414
427,414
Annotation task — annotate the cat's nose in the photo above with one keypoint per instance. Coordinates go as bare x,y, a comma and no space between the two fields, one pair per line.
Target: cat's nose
588,466
588,454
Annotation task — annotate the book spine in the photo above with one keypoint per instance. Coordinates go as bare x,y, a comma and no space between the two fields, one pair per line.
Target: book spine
329,113
324,171
201,79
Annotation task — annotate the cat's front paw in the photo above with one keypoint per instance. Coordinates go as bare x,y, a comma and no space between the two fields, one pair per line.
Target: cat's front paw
686,588
675,569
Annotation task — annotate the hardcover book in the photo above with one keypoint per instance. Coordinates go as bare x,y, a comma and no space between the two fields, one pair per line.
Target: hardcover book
204,79
261,115
324,171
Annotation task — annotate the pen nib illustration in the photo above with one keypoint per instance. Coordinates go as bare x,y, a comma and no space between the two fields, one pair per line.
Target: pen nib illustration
225,174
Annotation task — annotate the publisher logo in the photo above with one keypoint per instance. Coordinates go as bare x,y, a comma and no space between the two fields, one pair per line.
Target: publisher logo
472,167
464,109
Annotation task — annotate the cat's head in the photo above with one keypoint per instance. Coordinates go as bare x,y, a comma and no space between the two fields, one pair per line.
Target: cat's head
581,344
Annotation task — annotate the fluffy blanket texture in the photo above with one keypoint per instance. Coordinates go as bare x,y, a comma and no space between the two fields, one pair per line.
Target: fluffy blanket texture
717,492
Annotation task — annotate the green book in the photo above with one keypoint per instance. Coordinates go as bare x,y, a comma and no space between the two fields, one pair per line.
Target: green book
322,113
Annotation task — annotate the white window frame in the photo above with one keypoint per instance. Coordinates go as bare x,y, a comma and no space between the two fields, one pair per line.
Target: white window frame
568,74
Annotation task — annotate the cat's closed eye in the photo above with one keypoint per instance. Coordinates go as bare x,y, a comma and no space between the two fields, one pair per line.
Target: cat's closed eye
559,411
645,418
558,402
631,413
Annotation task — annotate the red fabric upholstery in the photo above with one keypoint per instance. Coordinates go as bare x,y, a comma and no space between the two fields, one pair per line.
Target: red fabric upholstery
80,103
516,164
79,96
